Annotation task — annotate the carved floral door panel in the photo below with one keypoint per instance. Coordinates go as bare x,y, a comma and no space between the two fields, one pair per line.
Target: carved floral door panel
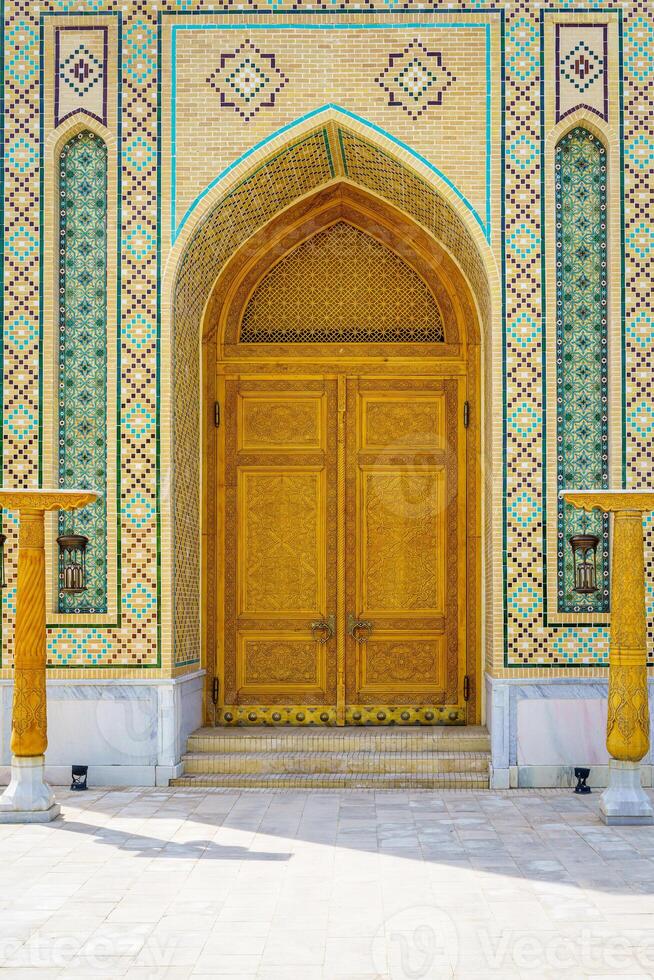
369,470
405,574
280,525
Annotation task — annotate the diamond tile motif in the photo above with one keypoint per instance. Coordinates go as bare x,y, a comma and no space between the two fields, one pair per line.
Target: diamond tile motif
641,152
80,73
581,67
139,510
23,63
523,151
81,70
21,155
415,79
521,53
139,154
641,239
247,80
639,48
141,50
523,241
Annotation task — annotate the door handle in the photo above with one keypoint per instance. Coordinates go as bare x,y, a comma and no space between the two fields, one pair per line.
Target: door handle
325,626
354,625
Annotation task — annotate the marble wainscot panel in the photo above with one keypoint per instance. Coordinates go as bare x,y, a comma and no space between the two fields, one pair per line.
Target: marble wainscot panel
129,733
541,731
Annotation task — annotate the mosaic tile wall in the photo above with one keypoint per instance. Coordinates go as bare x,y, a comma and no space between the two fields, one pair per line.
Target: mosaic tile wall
418,87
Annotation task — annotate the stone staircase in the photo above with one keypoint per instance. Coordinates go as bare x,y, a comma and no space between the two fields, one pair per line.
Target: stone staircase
338,758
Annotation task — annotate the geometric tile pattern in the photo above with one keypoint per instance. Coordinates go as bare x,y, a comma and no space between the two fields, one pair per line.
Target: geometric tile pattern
581,69
247,80
80,72
415,79
582,431
82,380
639,263
135,640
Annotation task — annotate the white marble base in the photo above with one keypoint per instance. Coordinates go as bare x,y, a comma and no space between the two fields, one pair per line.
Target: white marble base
624,802
30,816
28,798
129,733
542,729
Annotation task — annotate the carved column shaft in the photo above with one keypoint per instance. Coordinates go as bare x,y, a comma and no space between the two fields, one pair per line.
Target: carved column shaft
29,722
627,728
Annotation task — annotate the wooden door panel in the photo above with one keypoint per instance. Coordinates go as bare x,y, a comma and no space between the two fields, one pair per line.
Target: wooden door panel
393,421
275,421
280,534
389,666
273,663
406,520
281,556
401,518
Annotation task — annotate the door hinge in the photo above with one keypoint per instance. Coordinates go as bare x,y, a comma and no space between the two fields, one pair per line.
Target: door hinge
216,414
466,688
466,414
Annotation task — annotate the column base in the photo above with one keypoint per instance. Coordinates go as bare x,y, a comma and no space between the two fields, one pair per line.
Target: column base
624,802
28,798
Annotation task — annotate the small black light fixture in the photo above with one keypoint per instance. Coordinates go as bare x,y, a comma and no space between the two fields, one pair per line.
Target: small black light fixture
72,563
581,775
3,581
584,552
79,775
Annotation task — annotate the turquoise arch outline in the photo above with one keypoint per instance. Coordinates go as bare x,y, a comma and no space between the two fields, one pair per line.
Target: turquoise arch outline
175,229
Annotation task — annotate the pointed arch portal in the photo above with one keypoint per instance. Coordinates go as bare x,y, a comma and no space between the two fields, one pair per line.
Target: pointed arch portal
339,499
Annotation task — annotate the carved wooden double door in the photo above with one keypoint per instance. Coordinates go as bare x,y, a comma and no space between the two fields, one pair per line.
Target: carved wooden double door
344,551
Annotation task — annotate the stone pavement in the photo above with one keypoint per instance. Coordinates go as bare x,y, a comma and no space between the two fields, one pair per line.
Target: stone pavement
321,885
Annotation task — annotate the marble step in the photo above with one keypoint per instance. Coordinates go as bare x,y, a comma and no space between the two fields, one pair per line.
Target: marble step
299,781
291,739
408,762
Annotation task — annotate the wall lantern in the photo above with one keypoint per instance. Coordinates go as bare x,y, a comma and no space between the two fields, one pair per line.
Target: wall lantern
3,581
72,563
584,551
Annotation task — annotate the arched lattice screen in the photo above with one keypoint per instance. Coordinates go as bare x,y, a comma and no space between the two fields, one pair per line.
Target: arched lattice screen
581,353
82,400
342,286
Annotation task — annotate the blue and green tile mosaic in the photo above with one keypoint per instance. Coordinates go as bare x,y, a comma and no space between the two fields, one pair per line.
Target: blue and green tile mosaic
582,427
82,380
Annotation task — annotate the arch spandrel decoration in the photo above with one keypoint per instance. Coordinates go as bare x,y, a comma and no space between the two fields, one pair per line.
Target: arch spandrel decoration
341,285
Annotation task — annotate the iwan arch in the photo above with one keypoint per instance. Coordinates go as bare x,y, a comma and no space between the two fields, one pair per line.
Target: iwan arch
340,260
349,478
